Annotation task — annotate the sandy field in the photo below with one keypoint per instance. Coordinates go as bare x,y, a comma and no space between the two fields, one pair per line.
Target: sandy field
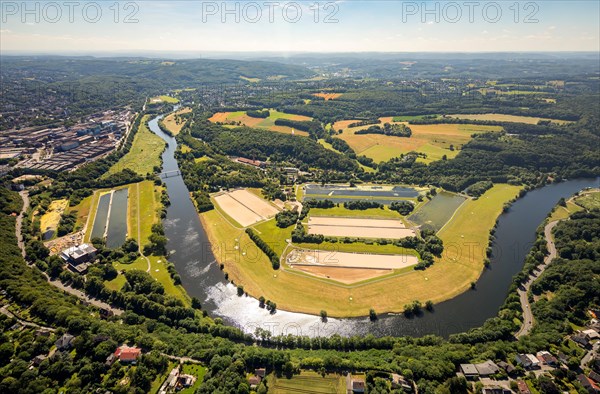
328,96
244,207
343,275
358,227
350,260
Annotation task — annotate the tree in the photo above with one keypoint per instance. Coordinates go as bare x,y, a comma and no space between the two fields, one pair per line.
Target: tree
372,314
324,315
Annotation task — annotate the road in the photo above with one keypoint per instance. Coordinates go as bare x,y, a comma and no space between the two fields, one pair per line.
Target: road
26,323
79,294
589,355
524,288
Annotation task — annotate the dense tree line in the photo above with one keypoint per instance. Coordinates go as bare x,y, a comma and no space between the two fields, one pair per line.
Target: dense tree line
478,188
394,130
312,127
266,249
259,114
362,205
286,218
402,207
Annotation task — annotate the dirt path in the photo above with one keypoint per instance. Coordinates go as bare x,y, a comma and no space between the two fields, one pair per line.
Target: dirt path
523,290
139,233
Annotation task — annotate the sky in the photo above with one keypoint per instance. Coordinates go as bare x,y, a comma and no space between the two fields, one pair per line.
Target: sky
281,26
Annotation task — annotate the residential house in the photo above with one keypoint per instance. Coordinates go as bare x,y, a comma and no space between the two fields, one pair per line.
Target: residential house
399,382
65,342
260,372
522,387
469,371
126,354
547,358
588,384
358,385
487,368
254,381
527,361
581,339
508,368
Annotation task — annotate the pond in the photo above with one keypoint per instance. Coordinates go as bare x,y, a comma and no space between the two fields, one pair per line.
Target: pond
438,211
99,227
117,224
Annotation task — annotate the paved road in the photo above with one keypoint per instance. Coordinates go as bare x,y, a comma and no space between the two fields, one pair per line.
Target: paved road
182,359
589,355
524,289
57,283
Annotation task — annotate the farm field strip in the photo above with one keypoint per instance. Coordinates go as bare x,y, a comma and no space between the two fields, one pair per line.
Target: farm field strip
350,260
507,118
244,207
230,119
358,227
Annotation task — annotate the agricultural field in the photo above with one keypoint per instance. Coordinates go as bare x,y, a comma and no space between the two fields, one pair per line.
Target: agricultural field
144,154
328,96
350,260
172,123
240,118
507,118
308,382
358,227
435,140
311,292
245,207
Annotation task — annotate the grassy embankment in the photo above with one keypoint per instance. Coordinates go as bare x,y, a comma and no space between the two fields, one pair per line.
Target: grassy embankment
144,154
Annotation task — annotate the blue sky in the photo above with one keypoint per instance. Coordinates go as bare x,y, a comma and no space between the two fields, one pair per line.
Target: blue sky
393,26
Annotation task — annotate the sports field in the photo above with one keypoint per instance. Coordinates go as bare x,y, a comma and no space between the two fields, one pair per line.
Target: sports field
144,154
507,118
308,382
358,227
245,207
173,122
240,118
465,239
433,140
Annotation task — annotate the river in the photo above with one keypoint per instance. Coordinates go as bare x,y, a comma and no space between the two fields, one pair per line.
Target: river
191,253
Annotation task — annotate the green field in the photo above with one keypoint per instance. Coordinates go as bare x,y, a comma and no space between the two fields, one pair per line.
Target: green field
308,382
467,232
438,211
371,213
436,140
196,370
235,119
144,154
589,200
164,99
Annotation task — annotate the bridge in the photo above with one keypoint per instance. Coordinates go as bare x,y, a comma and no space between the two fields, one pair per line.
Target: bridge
169,174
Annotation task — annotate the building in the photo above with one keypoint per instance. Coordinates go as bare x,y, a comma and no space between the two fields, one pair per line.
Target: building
469,371
358,385
79,257
487,368
254,381
508,368
399,382
522,387
590,334
581,339
126,354
495,390
527,361
588,384
260,372
547,358
65,342
250,162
